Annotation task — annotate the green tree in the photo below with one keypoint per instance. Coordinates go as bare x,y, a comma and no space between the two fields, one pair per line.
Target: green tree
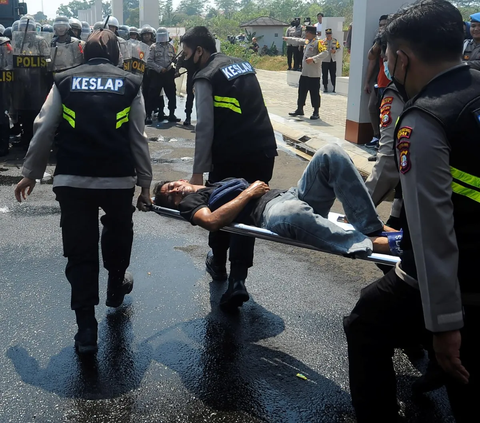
166,12
71,9
191,7
133,18
227,6
40,17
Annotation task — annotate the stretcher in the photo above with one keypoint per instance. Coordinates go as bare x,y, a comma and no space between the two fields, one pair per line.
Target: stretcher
253,231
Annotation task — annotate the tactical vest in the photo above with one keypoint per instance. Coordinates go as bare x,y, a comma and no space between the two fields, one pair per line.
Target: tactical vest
453,100
242,129
94,132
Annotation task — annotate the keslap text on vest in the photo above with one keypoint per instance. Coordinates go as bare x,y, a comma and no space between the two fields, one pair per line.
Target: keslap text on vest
102,84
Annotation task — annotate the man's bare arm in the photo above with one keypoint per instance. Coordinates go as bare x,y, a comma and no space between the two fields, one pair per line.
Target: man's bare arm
226,214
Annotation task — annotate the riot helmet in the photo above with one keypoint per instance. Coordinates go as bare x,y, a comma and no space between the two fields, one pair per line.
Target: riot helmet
47,28
98,25
27,24
134,33
162,35
61,25
2,29
15,26
147,29
8,32
112,24
75,27
123,32
86,31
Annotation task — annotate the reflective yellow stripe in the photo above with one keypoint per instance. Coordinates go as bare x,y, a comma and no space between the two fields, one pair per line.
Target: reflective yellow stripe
467,192
228,106
69,115
227,100
123,117
465,177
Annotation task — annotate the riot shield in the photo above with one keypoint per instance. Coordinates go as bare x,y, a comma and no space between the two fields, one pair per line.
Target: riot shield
65,56
31,58
6,76
137,53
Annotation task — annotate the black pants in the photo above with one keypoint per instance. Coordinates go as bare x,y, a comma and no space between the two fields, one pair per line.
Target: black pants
299,56
80,234
158,81
329,67
190,95
4,133
241,247
389,315
292,54
312,85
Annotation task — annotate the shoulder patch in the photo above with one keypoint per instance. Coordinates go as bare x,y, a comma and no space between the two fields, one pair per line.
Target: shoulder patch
404,132
237,69
404,156
385,117
386,100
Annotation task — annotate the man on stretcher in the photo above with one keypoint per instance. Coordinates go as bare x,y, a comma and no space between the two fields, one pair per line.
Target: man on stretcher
300,213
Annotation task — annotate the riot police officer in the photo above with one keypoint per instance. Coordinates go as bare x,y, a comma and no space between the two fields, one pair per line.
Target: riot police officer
75,28
30,87
234,138
86,31
134,33
147,34
124,32
112,23
6,81
103,153
160,64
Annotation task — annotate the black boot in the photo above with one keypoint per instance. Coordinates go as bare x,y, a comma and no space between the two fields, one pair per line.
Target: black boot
86,337
216,270
325,89
235,295
315,115
298,112
173,118
117,288
187,121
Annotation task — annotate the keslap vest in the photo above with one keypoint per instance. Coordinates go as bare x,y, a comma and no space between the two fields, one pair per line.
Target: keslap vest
453,100
242,129
94,132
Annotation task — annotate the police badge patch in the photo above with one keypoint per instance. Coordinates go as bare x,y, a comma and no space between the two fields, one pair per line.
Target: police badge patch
403,147
386,100
385,117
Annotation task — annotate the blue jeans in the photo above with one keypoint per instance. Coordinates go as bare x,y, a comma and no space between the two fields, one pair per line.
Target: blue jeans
302,213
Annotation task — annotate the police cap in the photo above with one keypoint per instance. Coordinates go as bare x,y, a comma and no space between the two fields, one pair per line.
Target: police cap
475,17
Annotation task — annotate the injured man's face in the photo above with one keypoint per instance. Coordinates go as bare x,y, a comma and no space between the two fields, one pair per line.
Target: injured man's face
170,194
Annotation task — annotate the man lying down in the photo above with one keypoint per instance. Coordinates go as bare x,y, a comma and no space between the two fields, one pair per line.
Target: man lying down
300,213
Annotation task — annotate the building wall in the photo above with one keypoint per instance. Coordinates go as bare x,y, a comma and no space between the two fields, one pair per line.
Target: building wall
270,35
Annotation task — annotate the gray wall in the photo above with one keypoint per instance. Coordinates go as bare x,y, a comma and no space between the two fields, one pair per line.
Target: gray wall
269,33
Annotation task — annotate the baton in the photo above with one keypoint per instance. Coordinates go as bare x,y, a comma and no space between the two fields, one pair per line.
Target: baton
24,35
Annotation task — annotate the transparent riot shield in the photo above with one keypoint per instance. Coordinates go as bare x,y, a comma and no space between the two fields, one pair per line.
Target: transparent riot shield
137,53
31,58
65,56
6,76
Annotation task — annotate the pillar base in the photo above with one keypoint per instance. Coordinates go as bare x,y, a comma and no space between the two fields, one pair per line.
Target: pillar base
358,133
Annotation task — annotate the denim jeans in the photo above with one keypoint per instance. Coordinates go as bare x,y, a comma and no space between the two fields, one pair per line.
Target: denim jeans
302,213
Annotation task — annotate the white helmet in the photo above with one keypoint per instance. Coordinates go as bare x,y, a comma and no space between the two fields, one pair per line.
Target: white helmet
61,25
98,25
162,35
112,21
75,24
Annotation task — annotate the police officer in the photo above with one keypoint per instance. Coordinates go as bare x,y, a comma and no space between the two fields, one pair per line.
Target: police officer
294,30
134,33
112,23
6,80
160,63
30,86
124,32
437,148
471,47
234,137
315,51
75,28
189,88
329,64
147,35
103,153
86,31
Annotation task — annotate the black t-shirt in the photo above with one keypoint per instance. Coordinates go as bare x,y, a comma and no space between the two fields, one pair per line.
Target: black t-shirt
194,202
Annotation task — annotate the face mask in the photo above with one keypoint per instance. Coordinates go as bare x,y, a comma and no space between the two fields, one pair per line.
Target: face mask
401,86
387,72
190,65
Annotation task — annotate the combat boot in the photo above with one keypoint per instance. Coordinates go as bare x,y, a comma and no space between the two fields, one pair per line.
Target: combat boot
86,337
117,288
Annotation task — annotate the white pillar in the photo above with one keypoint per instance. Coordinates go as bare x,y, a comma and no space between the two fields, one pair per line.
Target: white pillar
149,13
83,15
366,14
97,12
117,10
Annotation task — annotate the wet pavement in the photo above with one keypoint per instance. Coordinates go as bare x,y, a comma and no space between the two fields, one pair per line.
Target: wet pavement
169,354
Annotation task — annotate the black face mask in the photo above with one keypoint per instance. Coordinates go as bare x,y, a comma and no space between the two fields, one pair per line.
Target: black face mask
401,86
190,65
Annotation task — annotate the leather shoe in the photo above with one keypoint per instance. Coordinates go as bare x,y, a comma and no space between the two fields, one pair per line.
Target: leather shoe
148,121
86,340
216,271
173,118
297,112
235,295
187,122
315,116
116,292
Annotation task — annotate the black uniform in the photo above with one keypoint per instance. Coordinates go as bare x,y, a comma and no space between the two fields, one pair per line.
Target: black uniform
243,142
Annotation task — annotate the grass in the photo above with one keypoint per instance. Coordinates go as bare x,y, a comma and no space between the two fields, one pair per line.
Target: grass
272,63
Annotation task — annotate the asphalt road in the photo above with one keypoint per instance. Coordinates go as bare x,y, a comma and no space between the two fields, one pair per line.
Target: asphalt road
169,354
